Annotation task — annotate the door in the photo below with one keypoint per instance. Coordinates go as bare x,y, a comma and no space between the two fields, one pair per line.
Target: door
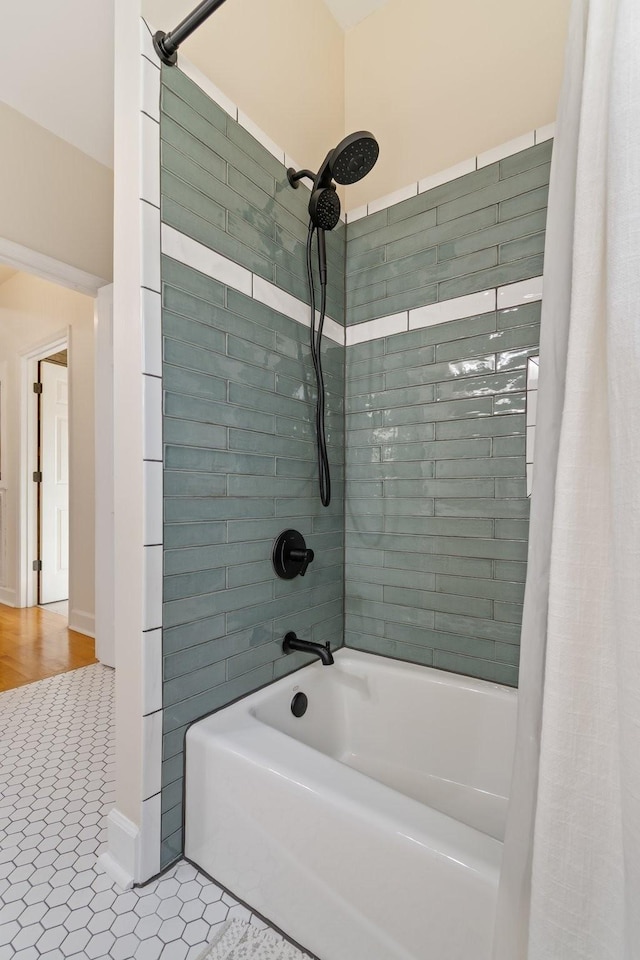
54,485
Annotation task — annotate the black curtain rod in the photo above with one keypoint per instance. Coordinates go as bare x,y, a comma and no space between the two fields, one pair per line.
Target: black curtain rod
167,44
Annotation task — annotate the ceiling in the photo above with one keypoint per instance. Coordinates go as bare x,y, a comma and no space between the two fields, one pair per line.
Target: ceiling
57,68
350,12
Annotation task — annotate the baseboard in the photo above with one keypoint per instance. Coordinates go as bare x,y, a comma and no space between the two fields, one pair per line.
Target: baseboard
82,622
133,853
8,597
120,860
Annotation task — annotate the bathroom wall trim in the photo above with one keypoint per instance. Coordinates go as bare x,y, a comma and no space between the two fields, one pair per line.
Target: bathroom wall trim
8,597
55,271
119,862
500,152
193,254
82,622
458,308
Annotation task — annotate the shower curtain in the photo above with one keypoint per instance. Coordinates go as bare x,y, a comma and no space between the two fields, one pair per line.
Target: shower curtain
570,883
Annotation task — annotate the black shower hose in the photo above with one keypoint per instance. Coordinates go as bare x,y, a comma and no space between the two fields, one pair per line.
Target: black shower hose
324,476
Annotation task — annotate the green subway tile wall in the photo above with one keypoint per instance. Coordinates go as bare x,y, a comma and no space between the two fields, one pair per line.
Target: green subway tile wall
436,500
483,230
239,453
436,506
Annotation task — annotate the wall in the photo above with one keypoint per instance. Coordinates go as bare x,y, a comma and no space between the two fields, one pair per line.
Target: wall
443,313
440,82
30,311
55,199
239,451
281,62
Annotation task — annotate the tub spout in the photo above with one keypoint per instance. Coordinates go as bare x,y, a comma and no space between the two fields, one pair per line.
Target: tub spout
291,642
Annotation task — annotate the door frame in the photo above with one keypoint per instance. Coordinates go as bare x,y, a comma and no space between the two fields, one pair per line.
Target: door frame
29,490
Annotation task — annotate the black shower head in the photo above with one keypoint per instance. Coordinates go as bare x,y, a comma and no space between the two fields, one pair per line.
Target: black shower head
351,160
354,157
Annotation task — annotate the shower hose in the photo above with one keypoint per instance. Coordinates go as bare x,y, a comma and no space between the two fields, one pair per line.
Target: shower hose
324,477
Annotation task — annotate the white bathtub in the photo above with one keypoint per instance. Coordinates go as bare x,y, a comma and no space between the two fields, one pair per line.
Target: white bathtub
369,828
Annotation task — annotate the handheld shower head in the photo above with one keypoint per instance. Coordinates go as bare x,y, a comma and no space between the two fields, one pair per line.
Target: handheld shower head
349,162
354,157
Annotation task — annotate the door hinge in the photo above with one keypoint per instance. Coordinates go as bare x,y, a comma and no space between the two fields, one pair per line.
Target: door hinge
37,476
37,388
37,566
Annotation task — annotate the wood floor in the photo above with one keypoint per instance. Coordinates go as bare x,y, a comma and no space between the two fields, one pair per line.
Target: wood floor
35,644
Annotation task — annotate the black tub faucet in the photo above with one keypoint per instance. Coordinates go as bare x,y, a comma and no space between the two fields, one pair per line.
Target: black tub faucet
291,643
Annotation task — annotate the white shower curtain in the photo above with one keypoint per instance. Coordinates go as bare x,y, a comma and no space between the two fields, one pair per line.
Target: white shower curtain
570,884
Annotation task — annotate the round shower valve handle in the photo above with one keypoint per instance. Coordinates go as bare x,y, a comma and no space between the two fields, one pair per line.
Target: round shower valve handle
290,555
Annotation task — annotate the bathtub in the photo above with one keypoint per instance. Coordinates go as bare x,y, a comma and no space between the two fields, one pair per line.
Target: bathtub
370,827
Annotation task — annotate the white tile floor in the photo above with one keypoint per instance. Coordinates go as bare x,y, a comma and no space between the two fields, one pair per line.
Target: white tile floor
56,787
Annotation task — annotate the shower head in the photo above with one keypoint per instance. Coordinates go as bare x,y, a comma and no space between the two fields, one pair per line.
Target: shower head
354,157
349,162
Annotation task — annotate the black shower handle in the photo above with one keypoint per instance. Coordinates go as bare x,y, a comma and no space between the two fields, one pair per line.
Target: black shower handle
302,556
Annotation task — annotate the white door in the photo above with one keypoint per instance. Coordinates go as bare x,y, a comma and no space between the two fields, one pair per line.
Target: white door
54,487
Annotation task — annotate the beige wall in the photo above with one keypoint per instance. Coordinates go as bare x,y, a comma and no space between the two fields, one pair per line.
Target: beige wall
54,199
31,310
438,82
280,61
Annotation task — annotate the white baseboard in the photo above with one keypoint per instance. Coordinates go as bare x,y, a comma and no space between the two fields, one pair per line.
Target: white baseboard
8,596
82,622
133,853
120,860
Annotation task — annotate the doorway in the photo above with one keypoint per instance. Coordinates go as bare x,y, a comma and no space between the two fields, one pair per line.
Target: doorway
48,495
53,483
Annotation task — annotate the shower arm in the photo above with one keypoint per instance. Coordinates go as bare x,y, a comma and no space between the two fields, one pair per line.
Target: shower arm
166,44
294,176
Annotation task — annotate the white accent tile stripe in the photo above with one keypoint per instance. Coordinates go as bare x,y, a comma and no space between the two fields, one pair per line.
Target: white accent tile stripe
356,214
291,307
375,329
152,600
456,309
152,532
180,247
152,672
146,43
404,193
458,170
150,227
208,87
525,291
260,136
152,413
150,161
151,754
280,300
151,333
150,88
506,149
334,331
545,133
445,176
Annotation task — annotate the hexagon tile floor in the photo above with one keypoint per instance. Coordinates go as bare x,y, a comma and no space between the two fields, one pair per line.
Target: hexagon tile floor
56,787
